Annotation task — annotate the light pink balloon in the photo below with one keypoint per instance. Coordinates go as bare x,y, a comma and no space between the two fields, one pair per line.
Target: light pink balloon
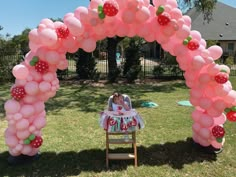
22,124
203,142
88,45
205,133
206,121
219,105
29,99
213,112
63,64
34,36
20,71
11,141
176,13
48,23
48,37
44,86
128,16
39,122
12,106
142,15
196,127
94,4
27,149
187,20
39,106
27,110
198,62
49,76
52,57
17,116
23,134
205,102
215,52
31,88
159,2
75,26
82,14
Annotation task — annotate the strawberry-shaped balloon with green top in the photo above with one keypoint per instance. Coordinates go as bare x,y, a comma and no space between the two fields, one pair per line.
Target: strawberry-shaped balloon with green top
110,8
41,66
36,142
18,92
62,32
222,77
193,44
163,19
218,131
231,116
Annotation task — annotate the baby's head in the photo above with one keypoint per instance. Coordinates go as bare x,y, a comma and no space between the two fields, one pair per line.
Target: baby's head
116,98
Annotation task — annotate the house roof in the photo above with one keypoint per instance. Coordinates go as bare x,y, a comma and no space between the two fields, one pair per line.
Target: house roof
221,27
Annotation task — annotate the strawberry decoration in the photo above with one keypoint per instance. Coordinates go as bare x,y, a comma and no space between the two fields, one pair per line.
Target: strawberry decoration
112,122
231,116
62,32
222,77
193,44
41,66
18,92
36,142
163,19
110,8
218,131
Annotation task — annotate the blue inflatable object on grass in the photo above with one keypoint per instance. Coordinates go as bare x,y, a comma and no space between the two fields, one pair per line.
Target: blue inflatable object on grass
184,103
149,104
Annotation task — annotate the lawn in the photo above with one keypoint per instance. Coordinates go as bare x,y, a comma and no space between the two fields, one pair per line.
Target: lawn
74,144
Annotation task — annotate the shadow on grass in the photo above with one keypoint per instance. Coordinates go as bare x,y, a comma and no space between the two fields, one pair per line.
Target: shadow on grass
174,154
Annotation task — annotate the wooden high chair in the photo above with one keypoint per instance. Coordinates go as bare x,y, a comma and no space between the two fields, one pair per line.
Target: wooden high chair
118,141
121,156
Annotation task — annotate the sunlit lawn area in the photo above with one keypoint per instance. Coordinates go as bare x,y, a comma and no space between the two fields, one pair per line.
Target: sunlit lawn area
74,144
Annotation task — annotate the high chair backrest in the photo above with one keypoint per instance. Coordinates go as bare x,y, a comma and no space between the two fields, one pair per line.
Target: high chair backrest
126,99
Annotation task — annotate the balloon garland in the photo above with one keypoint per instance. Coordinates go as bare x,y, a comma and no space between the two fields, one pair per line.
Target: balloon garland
36,80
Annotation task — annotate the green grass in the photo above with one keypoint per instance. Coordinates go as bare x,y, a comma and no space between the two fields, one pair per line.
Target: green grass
74,144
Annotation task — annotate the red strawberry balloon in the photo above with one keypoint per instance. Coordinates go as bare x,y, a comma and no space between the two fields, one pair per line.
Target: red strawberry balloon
41,66
218,131
222,77
110,8
193,44
231,116
36,142
163,19
62,32
18,92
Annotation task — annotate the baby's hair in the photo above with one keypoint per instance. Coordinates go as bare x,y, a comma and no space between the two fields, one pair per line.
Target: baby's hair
115,95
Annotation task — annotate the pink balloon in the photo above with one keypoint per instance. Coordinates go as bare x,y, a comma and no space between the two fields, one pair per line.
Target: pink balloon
39,107
23,134
39,122
22,124
206,121
49,76
205,102
88,45
94,4
32,88
75,26
175,13
44,86
128,16
11,141
27,110
205,133
12,106
20,71
52,57
142,14
198,62
27,149
29,99
33,36
48,37
48,23
215,52
196,127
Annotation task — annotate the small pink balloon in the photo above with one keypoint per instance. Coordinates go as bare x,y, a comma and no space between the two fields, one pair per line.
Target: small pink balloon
215,52
196,127
39,107
142,15
32,88
12,106
48,37
27,149
27,110
23,134
20,71
128,16
44,86
205,133
33,36
11,141
52,57
88,45
206,121
76,28
22,124
39,123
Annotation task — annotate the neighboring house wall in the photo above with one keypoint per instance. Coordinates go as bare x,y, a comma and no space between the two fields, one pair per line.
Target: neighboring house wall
229,48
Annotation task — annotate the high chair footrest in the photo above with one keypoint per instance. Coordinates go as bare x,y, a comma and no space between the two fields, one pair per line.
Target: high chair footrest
120,141
121,156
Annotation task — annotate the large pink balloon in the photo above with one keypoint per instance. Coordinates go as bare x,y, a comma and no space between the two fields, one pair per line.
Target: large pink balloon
12,106
215,52
27,110
88,45
48,37
20,71
22,124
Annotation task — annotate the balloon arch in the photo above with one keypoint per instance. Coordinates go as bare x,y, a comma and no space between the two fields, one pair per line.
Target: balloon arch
36,80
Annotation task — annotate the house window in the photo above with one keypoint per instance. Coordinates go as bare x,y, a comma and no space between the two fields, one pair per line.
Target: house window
231,46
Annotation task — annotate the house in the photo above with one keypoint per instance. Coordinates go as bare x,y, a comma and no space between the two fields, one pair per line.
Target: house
221,28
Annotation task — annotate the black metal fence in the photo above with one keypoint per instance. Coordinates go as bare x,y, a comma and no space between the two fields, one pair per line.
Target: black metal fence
150,68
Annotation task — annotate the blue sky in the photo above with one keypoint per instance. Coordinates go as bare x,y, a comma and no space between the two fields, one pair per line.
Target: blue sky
16,15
